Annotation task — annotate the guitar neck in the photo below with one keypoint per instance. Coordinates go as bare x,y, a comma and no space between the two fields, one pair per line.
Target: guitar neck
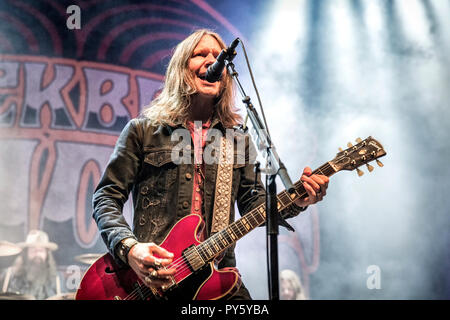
214,245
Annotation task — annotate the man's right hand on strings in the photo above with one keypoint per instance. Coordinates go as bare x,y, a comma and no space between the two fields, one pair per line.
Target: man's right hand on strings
148,261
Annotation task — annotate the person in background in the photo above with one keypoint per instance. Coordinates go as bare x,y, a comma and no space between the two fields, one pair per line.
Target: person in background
290,286
34,272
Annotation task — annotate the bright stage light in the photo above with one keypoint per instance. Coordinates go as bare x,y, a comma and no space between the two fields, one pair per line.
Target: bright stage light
414,23
373,16
286,28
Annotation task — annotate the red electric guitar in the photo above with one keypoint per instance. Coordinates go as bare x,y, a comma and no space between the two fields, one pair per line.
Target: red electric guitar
197,277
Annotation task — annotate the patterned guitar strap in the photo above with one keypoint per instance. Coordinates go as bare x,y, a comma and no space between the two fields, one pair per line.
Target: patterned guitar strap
224,181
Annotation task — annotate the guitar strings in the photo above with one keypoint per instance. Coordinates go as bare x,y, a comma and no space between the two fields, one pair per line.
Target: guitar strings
181,261
145,291
240,228
250,215
202,247
201,250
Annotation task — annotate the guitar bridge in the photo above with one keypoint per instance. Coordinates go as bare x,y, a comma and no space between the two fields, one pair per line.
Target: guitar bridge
169,286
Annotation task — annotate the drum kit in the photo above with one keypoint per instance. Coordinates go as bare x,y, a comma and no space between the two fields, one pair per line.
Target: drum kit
10,251
88,258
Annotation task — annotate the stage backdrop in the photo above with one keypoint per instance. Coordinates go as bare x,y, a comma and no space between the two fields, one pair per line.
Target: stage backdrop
72,73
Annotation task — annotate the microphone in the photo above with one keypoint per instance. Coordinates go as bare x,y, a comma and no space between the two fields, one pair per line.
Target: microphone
214,71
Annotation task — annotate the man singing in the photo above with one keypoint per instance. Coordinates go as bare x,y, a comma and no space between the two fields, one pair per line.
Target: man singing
164,190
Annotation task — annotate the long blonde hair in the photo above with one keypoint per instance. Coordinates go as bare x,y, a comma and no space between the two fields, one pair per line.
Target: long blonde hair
172,104
294,281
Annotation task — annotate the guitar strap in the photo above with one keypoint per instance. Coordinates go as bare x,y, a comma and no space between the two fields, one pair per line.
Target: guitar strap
224,181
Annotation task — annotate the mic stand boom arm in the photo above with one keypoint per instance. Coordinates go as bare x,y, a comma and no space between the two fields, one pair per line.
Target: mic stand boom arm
274,167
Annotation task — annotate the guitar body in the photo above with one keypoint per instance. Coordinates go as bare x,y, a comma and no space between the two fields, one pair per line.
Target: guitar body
105,280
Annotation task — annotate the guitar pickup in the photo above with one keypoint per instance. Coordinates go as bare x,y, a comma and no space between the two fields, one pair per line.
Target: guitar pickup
193,258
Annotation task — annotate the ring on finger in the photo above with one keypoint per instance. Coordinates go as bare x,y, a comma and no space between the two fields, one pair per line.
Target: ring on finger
157,263
154,274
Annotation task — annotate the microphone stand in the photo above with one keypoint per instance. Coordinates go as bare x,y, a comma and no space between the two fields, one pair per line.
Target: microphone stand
274,167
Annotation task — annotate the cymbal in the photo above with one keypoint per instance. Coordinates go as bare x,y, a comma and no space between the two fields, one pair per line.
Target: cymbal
88,258
8,253
63,296
9,249
15,296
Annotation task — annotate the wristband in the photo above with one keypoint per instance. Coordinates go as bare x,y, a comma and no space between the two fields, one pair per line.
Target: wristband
125,247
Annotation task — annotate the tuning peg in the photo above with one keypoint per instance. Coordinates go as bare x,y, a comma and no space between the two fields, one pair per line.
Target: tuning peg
349,145
340,150
369,167
358,140
360,172
380,164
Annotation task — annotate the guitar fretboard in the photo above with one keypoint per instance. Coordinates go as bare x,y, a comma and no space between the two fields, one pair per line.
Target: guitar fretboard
223,239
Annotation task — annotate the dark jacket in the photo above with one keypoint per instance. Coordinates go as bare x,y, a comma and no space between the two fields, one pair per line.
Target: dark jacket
161,189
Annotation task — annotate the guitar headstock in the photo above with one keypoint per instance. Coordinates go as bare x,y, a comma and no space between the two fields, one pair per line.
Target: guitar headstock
362,153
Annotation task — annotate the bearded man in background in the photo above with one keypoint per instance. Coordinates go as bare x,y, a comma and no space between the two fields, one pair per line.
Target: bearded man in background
34,272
